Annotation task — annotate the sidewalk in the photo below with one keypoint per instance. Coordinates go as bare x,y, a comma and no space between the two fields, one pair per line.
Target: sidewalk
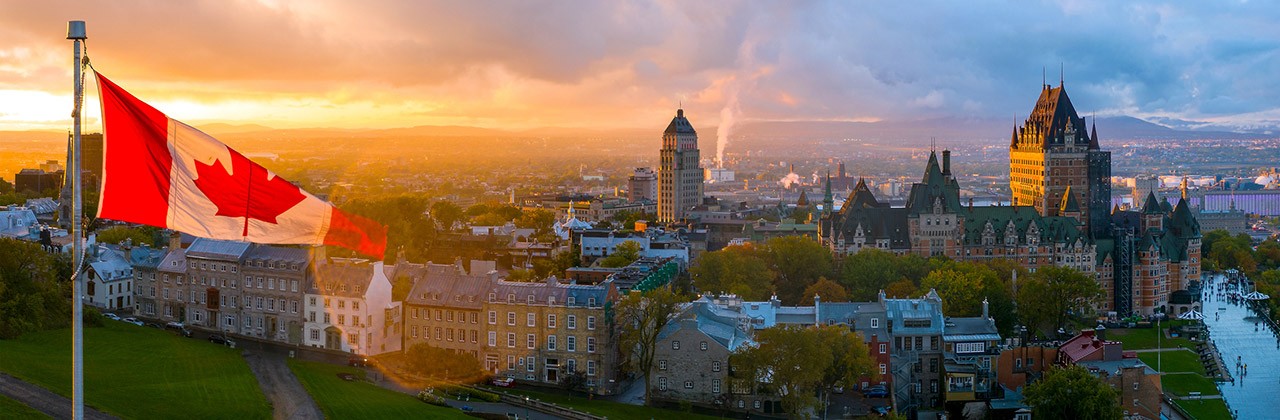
43,400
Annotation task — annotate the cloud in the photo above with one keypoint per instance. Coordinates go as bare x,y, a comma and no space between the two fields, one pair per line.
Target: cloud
601,64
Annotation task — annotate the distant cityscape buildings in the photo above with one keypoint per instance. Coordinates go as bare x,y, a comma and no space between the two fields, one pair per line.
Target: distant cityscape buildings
642,185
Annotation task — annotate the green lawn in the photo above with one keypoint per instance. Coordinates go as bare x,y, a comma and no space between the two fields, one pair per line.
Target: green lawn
1145,338
341,399
13,409
1205,409
138,373
1181,384
1177,361
610,409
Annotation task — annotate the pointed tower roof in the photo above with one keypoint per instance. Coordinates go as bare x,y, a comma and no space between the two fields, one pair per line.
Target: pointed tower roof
1013,138
1185,224
861,196
826,193
1052,116
932,171
804,199
1093,136
679,124
1151,205
1069,203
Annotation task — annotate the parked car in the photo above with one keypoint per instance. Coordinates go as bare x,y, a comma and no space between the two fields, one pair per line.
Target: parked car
111,316
358,361
838,389
877,391
217,338
177,327
503,382
175,324
881,410
154,325
133,321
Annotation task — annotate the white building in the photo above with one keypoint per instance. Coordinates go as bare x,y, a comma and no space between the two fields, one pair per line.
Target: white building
109,280
599,243
350,309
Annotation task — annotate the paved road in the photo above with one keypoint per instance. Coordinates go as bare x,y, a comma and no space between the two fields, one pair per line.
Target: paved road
289,400
43,400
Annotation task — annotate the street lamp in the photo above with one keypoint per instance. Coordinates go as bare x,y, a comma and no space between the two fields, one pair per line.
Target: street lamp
526,406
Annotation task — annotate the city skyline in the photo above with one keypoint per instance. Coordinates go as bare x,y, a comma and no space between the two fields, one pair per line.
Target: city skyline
314,64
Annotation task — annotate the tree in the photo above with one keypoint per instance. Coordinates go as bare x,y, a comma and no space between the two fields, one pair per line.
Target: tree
739,270
1051,292
35,289
642,315
446,214
1072,393
868,272
433,362
625,253
540,220
117,234
797,262
827,290
796,362
961,292
902,289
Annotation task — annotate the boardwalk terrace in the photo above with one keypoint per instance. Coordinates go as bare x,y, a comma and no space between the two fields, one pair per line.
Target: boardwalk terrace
548,332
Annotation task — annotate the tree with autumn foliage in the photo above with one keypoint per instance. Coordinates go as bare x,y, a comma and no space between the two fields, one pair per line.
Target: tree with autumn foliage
640,317
1047,297
827,290
796,362
1072,393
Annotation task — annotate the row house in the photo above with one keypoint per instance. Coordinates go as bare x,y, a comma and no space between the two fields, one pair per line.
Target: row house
691,359
234,287
109,279
971,348
349,308
547,332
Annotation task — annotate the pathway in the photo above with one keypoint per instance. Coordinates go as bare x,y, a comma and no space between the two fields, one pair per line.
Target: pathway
43,400
1236,335
289,400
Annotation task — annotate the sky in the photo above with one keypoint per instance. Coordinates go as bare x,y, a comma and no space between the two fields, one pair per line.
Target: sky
629,64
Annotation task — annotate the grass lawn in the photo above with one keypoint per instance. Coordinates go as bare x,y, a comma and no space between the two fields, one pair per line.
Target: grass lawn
1174,361
610,409
1205,409
13,409
1181,384
1145,338
138,372
341,399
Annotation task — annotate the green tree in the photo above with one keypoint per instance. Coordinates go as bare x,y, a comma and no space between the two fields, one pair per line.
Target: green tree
739,270
625,253
796,362
642,315
902,289
540,220
826,289
1072,393
628,219
446,214
868,272
961,292
1051,293
797,262
117,234
34,289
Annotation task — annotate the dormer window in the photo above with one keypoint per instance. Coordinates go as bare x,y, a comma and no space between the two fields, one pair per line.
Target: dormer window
511,298
493,297
529,300
571,300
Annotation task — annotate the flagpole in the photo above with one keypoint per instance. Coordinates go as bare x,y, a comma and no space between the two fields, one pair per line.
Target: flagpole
76,33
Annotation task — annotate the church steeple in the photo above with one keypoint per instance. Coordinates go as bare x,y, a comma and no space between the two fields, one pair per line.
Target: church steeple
828,201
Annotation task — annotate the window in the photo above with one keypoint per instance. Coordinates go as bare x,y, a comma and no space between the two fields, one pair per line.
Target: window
688,384
511,340
414,331
511,358
448,334
528,300
883,348
493,317
342,319
675,345
662,365
571,343
315,334
715,387
449,316
511,318
572,322
591,368
355,305
875,322
311,316
715,366
473,318
529,363
528,318
511,298
492,297
529,341
702,346
551,320
342,304
591,344
570,301
473,336
439,334
662,383
591,323
883,369
551,342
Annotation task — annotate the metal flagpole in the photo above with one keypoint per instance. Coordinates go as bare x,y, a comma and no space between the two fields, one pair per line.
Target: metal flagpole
76,33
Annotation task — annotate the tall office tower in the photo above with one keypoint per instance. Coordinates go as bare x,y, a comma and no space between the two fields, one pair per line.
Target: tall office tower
1053,153
679,174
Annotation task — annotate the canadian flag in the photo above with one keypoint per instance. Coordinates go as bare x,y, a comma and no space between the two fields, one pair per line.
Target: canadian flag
158,171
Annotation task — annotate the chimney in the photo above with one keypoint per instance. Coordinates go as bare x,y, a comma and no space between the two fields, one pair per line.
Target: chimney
985,313
175,241
946,163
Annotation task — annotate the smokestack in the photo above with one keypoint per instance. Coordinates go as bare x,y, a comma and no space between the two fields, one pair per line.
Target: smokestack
985,313
946,163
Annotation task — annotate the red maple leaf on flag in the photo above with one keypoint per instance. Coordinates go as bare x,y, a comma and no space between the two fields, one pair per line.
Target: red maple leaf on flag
246,191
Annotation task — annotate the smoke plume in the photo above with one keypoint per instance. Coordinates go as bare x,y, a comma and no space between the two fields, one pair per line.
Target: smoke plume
728,117
789,180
